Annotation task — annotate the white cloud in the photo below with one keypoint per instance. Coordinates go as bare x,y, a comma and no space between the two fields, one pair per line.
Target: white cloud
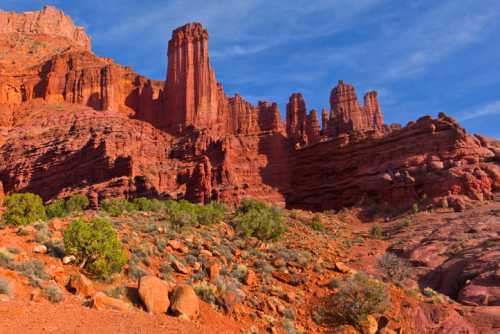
492,108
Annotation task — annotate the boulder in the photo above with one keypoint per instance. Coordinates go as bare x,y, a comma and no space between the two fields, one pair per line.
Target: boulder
103,302
185,302
154,294
40,249
81,285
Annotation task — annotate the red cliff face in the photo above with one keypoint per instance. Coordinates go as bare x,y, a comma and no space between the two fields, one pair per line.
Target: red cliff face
74,122
49,21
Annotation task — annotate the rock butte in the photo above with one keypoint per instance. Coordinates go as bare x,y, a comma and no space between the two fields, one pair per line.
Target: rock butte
74,122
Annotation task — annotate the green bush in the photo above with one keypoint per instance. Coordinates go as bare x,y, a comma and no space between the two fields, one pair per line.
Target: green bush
117,206
376,232
394,268
317,224
56,208
358,297
146,204
96,246
23,209
77,203
182,213
212,213
256,219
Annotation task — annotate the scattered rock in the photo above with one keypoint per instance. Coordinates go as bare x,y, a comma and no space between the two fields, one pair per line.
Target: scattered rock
68,259
81,285
342,268
179,267
250,277
346,329
287,278
369,325
206,253
185,302
154,294
103,302
213,271
40,249
36,295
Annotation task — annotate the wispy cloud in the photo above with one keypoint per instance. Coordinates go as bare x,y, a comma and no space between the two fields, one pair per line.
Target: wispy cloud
492,108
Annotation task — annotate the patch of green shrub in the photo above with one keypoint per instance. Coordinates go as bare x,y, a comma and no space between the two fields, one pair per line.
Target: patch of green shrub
358,297
211,213
146,204
77,203
117,206
376,232
53,293
317,224
182,213
23,209
96,246
56,208
394,268
256,219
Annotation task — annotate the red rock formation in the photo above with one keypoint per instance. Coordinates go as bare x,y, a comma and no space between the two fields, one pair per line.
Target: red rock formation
348,116
194,97
66,127
191,87
325,117
313,129
296,118
427,159
48,21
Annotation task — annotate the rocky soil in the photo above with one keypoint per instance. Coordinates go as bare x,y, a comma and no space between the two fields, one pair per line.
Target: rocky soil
248,286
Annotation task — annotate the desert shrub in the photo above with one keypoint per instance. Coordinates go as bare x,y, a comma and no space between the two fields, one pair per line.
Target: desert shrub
96,246
56,208
394,268
376,232
53,293
256,219
211,213
117,206
77,203
358,297
146,204
23,209
415,208
5,286
317,224
206,292
182,213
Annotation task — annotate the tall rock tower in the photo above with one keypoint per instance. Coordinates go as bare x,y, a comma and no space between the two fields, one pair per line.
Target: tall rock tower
191,89
347,115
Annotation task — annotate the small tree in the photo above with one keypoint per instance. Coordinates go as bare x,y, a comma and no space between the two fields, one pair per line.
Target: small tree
96,246
256,219
23,209
358,297
77,203
376,232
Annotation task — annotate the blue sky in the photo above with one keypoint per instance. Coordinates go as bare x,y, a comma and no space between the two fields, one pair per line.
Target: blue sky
423,57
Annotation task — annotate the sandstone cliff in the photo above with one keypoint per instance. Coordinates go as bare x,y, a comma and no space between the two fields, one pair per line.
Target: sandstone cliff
72,121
